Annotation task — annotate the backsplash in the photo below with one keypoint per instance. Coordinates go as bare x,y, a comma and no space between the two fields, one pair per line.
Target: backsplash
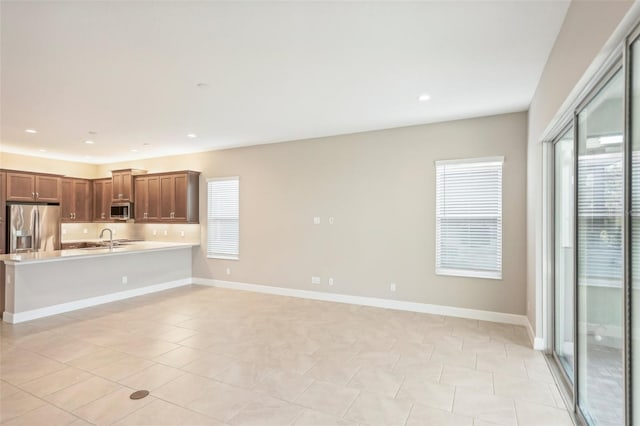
187,233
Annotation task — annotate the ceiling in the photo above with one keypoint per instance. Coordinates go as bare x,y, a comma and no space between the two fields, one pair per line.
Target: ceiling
132,72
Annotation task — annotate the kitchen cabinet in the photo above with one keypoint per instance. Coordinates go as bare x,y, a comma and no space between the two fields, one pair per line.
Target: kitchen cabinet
147,198
122,185
167,197
179,197
102,195
3,218
21,186
76,203
123,189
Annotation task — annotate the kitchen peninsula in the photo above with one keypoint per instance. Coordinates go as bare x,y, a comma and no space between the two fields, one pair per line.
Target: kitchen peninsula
48,283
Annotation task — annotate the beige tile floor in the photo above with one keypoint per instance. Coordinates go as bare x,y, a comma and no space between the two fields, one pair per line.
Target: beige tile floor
212,357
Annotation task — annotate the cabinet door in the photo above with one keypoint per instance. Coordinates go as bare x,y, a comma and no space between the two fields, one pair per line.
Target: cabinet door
3,212
107,195
153,198
98,191
101,199
67,202
141,199
166,197
180,197
48,189
117,180
82,198
20,187
122,186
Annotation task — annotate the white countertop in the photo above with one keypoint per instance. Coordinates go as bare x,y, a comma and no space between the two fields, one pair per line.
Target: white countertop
58,255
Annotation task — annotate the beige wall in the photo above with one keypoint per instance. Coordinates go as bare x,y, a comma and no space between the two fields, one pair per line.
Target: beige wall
46,165
584,39
380,188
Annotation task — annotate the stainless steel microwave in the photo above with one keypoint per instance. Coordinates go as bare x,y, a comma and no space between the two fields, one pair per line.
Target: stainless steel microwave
121,211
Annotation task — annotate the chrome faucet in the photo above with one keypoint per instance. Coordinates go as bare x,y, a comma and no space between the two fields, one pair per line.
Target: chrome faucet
110,236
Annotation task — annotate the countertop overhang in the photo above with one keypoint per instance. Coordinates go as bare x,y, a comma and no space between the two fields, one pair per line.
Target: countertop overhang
59,255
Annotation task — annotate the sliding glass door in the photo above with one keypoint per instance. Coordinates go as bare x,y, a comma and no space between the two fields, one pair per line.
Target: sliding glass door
600,272
634,219
564,230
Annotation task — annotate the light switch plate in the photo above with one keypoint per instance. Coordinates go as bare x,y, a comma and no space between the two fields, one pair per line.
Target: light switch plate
315,280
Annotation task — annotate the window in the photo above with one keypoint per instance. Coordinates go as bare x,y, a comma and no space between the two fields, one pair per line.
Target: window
469,217
223,212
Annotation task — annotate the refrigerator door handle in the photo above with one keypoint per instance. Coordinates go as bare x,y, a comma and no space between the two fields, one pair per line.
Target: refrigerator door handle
36,229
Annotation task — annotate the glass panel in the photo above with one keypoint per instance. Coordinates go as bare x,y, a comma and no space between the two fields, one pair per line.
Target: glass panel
600,269
564,251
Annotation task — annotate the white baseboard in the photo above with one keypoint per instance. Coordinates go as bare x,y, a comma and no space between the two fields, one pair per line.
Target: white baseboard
15,318
536,342
371,301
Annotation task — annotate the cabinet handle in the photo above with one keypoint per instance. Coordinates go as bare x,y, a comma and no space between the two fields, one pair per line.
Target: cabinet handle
101,215
33,195
37,195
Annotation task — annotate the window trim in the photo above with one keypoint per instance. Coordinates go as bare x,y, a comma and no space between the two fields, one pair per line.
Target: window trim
471,273
223,256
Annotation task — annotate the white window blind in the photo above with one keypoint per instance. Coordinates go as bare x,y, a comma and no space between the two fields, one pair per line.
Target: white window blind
223,218
469,217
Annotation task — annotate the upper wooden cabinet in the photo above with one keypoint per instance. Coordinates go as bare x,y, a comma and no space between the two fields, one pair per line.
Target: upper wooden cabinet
167,197
76,203
22,186
123,189
122,185
102,195
147,198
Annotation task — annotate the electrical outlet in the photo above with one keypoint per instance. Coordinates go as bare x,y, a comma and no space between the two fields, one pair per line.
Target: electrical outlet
330,220
64,232
330,281
125,279
392,287
182,234
228,271
315,280
166,232
155,232
85,231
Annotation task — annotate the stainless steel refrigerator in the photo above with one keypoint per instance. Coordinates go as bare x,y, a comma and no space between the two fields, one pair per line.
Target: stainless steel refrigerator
33,227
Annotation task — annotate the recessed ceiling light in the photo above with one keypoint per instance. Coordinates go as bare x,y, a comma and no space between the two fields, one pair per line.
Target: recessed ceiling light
146,144
89,142
424,97
192,135
202,85
91,132
31,131
43,150
134,150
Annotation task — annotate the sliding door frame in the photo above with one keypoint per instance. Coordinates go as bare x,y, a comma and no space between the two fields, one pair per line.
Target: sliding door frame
566,380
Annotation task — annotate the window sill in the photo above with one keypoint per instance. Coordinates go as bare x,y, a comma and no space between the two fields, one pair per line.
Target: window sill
210,256
469,274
